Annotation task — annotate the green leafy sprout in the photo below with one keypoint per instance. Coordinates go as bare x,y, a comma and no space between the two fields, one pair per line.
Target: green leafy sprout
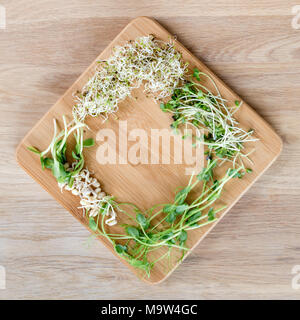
57,149
166,225
194,105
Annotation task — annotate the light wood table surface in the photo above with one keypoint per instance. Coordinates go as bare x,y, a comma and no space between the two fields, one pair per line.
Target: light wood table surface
252,46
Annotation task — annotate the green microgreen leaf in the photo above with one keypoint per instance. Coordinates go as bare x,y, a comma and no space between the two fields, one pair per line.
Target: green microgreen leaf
33,149
182,237
133,232
195,215
59,172
167,236
211,214
207,173
48,163
196,74
171,217
88,142
234,173
120,249
169,208
182,194
180,209
142,220
77,149
103,209
75,156
93,224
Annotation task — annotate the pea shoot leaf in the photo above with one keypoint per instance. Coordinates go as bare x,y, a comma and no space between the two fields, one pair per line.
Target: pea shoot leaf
169,208
194,217
171,217
180,209
120,249
234,173
181,195
93,224
133,232
182,237
167,236
142,220
211,214
196,74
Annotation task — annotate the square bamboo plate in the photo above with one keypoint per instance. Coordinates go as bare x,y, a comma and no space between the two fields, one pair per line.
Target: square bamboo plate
144,185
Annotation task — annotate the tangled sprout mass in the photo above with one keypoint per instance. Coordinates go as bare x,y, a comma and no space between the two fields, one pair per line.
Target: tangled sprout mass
148,61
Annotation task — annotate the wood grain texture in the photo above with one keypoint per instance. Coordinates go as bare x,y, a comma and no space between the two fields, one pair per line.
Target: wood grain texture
249,45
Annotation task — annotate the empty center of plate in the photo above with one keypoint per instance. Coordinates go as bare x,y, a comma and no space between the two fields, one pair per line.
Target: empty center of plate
138,157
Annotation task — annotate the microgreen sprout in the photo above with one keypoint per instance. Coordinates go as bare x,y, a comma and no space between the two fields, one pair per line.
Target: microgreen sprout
167,225
57,149
195,105
148,61
75,177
